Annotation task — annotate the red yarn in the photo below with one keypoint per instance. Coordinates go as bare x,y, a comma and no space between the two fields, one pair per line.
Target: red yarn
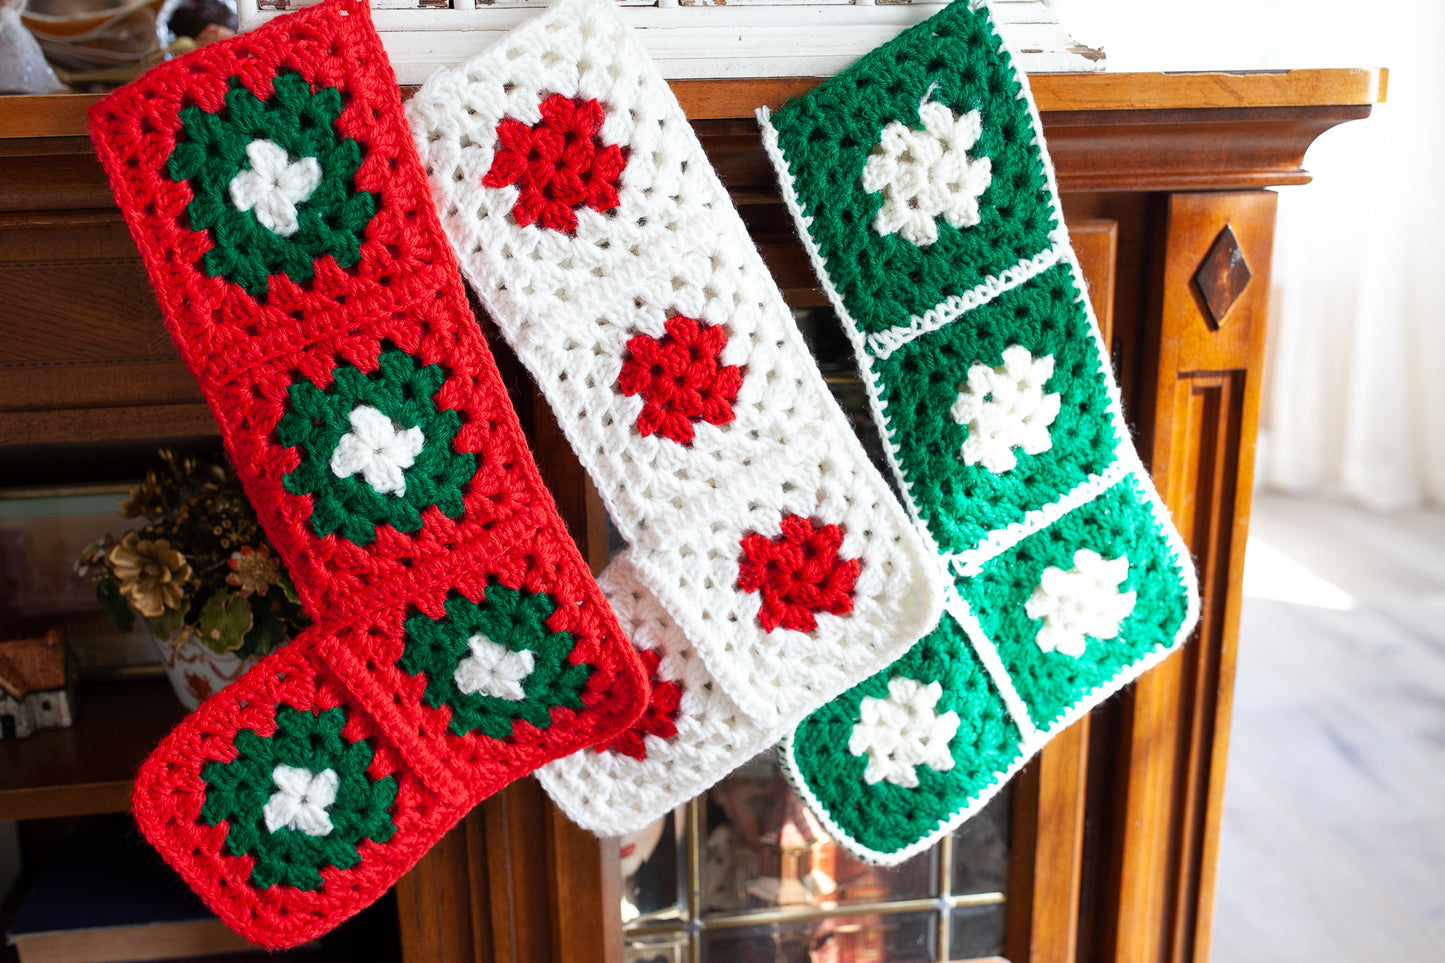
679,378
798,574
403,292
560,163
658,719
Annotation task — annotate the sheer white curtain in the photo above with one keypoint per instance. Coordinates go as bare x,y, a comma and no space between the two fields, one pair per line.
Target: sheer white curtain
1355,398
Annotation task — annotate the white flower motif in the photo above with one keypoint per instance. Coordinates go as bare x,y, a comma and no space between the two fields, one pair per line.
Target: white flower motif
902,732
1081,603
301,800
1006,408
274,185
927,174
494,670
376,449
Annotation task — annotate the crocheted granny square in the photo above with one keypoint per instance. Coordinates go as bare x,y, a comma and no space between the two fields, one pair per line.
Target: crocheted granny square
588,219
690,736
458,639
920,184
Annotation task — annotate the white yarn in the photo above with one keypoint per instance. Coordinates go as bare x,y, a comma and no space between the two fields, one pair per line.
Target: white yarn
494,670
927,174
1080,603
1006,408
674,245
377,450
301,800
274,185
903,731
611,793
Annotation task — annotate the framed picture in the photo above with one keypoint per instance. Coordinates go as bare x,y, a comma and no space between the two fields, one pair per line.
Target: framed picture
42,534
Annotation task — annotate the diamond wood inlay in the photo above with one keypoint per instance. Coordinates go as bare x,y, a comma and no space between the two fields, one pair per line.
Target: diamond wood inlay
1222,276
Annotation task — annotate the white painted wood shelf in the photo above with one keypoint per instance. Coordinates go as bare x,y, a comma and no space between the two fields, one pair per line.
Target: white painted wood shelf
694,40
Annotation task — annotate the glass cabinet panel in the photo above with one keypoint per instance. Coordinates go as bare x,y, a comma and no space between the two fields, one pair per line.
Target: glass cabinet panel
746,873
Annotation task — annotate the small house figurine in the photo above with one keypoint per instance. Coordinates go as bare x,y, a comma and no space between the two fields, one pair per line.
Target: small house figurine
798,859
37,686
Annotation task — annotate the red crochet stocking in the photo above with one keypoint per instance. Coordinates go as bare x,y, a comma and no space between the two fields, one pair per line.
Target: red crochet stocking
459,640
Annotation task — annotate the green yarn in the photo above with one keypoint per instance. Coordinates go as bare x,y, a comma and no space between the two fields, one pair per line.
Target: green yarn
516,619
827,137
404,391
237,793
919,179
211,151
886,817
1120,522
918,383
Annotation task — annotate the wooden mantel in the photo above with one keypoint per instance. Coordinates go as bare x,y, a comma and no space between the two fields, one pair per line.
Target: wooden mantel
63,115
1116,825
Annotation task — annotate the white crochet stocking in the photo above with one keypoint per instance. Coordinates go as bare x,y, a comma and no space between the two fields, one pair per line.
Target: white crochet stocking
587,218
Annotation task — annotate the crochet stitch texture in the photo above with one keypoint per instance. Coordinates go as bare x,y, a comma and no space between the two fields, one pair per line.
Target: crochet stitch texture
458,639
295,212
559,164
921,187
307,744
621,787
682,382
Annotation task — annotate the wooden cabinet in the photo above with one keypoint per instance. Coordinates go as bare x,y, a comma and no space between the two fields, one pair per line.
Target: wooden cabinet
1115,826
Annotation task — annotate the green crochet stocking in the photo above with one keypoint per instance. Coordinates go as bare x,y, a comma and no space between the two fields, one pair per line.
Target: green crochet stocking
920,184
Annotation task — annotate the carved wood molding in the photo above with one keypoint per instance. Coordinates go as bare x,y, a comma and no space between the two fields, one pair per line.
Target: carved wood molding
1174,728
1180,150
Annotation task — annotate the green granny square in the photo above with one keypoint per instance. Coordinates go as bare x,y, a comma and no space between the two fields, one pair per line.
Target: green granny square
892,759
375,448
273,183
868,143
299,800
495,663
970,465
1085,603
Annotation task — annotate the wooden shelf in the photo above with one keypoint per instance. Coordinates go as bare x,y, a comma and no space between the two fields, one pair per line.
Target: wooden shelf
87,768
372,934
63,115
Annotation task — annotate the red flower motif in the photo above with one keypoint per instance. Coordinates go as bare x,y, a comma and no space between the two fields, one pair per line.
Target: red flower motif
679,378
658,719
798,573
560,163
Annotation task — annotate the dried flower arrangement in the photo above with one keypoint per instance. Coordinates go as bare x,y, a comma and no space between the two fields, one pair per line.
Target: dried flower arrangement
199,567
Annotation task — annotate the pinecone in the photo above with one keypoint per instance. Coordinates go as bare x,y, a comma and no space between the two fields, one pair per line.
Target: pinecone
152,575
